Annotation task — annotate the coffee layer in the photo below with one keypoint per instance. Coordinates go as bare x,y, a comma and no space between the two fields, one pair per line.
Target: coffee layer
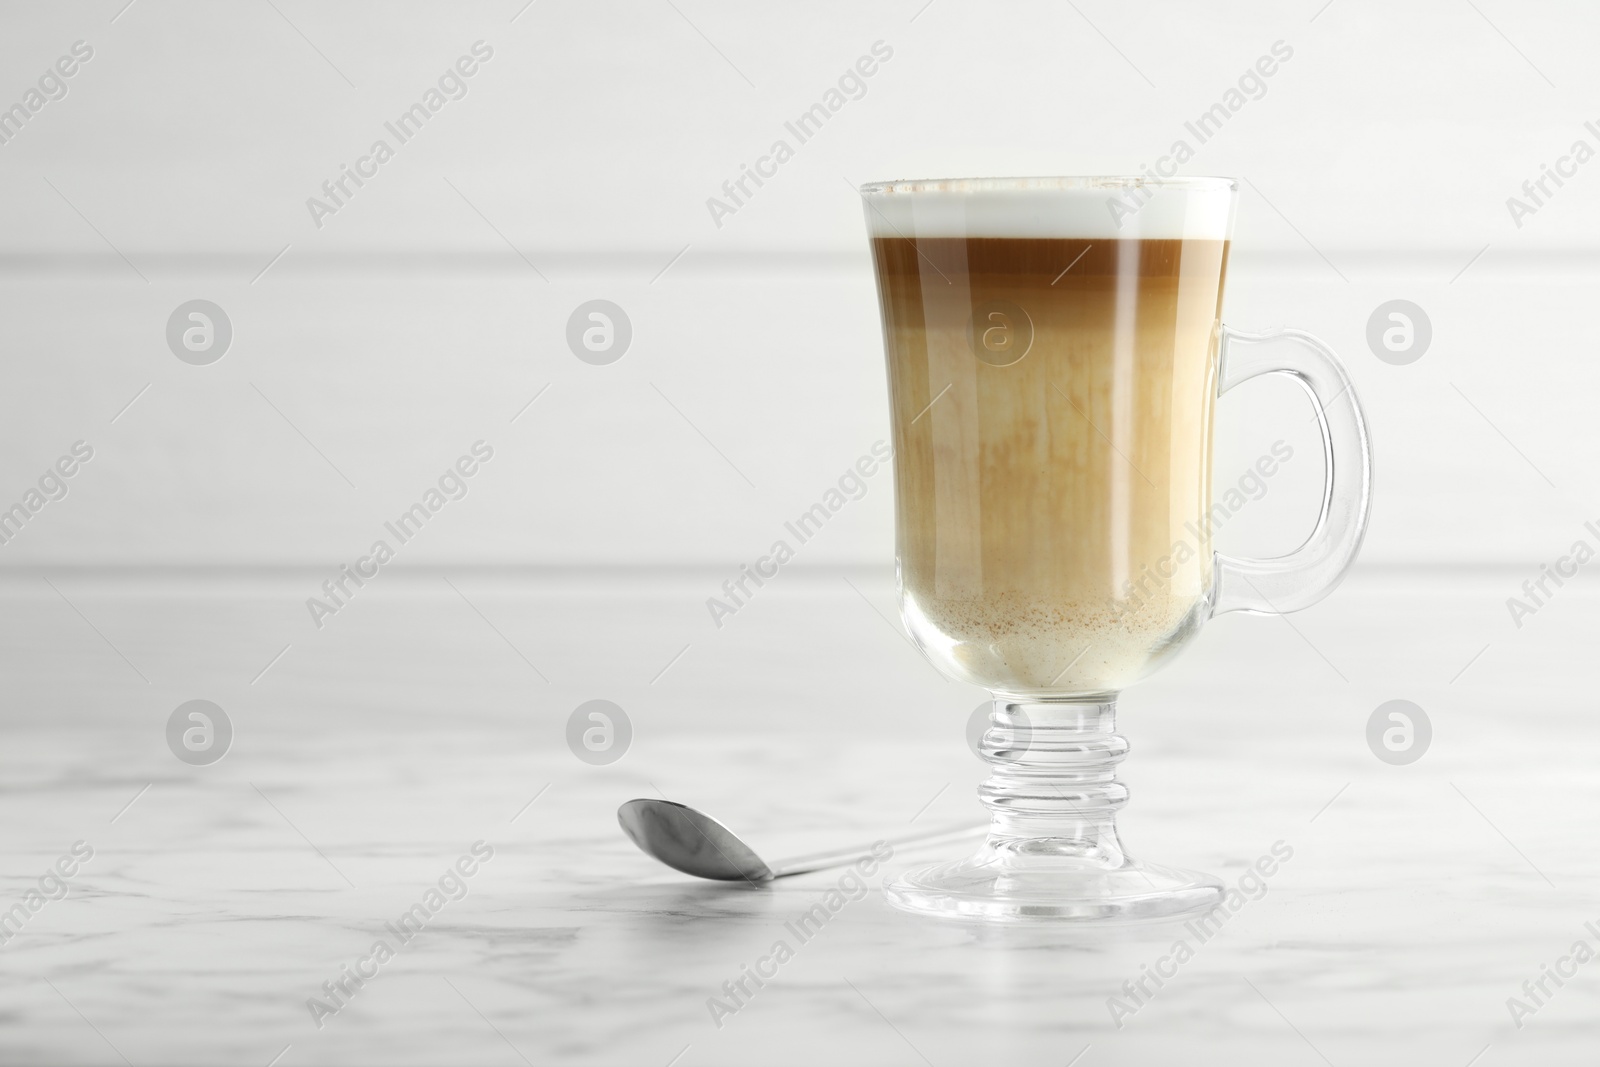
1052,407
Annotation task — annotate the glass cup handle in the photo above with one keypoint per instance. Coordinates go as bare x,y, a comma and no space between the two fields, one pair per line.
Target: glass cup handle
1309,573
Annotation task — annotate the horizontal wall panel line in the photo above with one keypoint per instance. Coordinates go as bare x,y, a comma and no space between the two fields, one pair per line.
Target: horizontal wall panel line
646,264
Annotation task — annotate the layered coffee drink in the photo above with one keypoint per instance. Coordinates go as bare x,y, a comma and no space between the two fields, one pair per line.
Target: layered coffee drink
1054,353
1051,376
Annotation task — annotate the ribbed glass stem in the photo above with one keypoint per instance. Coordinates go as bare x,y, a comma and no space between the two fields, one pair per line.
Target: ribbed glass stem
1054,788
1053,852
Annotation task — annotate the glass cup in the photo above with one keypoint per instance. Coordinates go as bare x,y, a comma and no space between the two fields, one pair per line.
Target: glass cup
1054,349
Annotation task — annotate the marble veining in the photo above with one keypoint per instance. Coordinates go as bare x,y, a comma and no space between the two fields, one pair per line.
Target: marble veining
1417,900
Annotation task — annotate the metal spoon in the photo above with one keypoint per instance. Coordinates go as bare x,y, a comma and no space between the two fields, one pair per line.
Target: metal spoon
695,843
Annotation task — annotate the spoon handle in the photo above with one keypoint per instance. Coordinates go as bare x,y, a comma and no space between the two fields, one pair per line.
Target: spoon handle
839,857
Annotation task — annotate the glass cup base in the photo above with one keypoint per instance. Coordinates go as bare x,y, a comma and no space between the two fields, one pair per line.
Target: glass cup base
998,885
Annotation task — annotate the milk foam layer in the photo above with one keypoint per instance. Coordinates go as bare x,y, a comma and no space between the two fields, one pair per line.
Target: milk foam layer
1150,209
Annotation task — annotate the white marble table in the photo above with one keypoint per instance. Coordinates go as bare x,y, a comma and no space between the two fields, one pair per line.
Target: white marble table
372,755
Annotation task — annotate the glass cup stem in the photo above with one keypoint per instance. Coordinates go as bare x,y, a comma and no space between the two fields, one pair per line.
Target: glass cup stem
1053,790
1053,852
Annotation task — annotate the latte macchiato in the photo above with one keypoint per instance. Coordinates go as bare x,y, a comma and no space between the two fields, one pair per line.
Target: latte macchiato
1051,383
1055,351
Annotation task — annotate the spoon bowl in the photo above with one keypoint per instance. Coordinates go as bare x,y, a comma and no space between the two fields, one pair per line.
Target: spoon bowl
691,841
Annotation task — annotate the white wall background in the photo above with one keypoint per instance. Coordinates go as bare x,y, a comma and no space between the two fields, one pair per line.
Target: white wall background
429,310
